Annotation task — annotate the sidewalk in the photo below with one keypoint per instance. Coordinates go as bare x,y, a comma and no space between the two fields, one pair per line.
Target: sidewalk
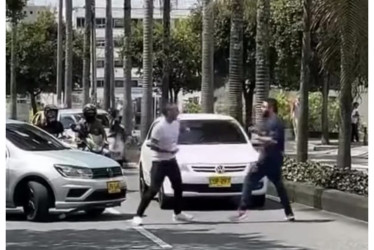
328,153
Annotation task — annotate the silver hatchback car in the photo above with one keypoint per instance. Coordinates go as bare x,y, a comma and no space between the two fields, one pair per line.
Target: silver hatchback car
43,173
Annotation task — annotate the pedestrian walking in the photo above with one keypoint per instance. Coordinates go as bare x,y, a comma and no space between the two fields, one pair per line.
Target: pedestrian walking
355,117
163,143
295,112
271,134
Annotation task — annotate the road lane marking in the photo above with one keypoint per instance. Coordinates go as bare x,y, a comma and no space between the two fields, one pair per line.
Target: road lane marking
112,211
153,237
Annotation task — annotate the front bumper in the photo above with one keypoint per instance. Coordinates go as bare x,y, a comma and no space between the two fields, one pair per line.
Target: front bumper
72,193
197,185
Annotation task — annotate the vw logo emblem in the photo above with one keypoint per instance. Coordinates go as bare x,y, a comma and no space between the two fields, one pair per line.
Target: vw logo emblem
220,169
110,172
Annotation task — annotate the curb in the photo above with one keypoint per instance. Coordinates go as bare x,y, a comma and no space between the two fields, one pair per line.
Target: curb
335,201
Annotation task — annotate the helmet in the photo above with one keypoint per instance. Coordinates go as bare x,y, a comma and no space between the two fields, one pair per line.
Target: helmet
50,112
89,111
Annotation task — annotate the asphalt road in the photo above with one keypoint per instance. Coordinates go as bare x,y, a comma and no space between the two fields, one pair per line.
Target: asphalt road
263,229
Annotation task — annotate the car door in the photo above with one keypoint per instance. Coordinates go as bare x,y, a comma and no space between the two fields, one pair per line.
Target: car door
7,175
146,155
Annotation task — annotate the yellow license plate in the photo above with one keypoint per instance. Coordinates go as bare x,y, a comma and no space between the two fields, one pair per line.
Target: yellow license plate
113,187
220,181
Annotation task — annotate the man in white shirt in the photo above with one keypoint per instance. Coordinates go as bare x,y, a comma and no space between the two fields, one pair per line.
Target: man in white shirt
355,118
164,140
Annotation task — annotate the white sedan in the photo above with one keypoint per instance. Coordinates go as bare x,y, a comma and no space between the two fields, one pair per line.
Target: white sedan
214,156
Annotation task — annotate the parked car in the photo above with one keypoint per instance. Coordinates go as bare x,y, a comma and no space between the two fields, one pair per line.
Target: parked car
214,156
43,173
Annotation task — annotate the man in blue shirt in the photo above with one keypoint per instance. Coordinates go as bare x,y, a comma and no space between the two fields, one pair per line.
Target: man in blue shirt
271,135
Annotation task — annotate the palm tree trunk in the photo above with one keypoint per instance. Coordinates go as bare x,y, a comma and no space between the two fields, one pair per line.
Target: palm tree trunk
127,99
86,53
166,45
69,54
60,53
207,87
302,135
262,56
345,101
93,54
235,86
108,56
13,66
146,108
325,106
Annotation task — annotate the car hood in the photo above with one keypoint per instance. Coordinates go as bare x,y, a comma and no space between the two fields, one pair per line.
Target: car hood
217,154
75,158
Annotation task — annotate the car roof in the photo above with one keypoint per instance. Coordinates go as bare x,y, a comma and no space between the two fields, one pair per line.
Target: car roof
203,116
78,111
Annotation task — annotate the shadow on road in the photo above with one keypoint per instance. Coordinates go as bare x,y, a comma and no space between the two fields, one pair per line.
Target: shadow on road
78,217
131,239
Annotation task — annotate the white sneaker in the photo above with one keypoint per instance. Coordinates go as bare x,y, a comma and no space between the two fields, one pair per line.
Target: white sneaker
182,217
137,221
290,217
241,215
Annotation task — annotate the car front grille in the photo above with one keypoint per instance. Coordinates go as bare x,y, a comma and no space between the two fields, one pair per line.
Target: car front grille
106,172
224,168
103,195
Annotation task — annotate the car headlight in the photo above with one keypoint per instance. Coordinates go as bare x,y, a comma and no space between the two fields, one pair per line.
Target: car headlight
74,172
184,168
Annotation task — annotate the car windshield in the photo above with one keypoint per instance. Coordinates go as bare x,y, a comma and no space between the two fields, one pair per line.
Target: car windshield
102,117
210,132
29,138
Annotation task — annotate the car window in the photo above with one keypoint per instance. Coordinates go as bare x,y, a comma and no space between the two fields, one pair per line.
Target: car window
30,138
67,121
210,132
150,130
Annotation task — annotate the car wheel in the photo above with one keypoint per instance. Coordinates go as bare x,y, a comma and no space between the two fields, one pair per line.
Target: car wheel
36,206
143,187
94,212
258,200
164,201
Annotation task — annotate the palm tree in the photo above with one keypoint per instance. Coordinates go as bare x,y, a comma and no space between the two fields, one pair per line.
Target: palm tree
166,45
108,80
69,54
127,100
60,52
86,52
324,114
262,56
235,86
207,87
302,135
347,20
93,53
146,106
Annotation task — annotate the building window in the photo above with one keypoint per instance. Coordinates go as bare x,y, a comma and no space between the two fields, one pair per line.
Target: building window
80,22
100,43
118,23
100,22
134,83
118,64
118,83
100,63
100,83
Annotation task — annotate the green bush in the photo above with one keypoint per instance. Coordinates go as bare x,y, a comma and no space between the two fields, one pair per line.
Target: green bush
191,107
315,110
324,176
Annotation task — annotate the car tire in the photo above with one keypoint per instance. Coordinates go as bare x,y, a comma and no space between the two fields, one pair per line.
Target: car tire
143,187
94,212
36,206
258,201
164,201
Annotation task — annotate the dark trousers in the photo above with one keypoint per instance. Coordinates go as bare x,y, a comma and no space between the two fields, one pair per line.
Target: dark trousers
252,179
160,170
355,134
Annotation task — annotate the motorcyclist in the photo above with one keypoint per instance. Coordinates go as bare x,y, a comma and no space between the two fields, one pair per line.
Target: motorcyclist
115,125
50,123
